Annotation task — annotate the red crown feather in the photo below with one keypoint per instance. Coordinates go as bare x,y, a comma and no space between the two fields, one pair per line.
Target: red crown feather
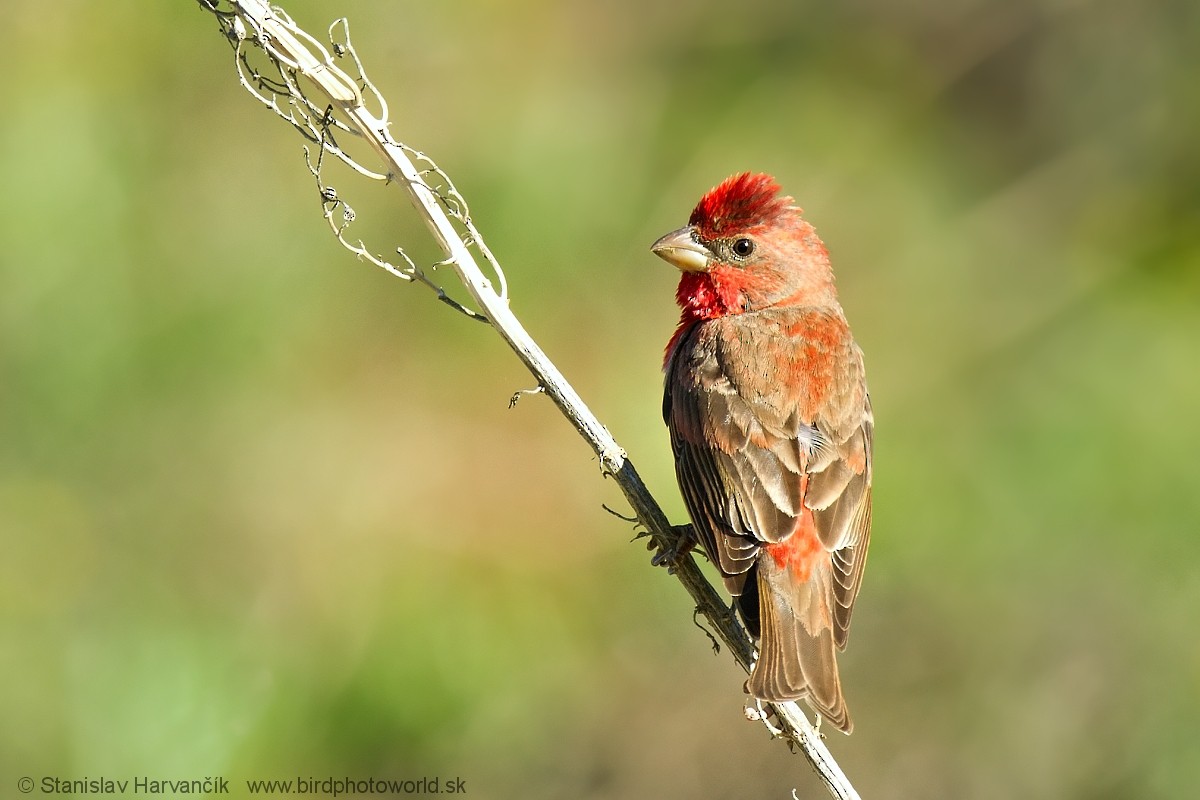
740,202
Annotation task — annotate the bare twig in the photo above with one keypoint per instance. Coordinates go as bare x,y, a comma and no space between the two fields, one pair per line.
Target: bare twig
297,64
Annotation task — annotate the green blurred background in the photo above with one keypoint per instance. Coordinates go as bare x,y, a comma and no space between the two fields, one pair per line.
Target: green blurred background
263,508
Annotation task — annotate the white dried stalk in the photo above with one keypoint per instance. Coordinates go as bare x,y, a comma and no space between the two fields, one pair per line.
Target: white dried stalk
343,110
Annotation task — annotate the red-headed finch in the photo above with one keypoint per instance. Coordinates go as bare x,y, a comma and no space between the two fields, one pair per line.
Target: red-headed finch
766,401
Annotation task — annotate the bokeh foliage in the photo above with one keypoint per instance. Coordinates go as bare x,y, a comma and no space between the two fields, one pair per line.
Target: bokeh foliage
264,511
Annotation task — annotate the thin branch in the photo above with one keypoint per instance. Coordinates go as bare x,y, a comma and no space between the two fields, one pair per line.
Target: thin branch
291,55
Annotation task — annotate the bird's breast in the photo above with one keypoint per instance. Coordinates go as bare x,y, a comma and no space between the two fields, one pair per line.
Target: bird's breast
789,362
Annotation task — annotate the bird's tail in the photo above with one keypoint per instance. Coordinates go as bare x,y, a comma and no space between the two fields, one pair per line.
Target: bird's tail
796,652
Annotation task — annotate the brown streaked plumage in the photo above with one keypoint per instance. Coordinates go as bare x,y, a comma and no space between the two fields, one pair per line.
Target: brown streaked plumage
770,422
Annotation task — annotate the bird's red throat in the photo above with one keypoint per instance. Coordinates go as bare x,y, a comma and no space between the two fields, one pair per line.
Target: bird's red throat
707,295
703,296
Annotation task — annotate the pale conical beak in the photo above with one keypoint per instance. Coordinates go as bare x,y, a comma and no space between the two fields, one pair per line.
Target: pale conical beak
681,249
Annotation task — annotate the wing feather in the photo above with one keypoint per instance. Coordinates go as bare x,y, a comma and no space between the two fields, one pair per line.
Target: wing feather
771,427
741,456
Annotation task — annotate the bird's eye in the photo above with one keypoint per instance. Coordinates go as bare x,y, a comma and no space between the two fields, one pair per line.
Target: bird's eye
742,248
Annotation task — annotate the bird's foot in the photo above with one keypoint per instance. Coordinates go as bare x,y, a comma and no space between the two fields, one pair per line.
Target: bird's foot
685,540
756,712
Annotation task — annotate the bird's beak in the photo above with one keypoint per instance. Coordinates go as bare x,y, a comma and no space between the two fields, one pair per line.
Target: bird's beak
681,249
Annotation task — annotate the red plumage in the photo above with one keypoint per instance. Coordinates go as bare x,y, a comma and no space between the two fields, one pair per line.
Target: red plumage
766,402
739,203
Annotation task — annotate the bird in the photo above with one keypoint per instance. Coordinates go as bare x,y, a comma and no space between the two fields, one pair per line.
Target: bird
765,399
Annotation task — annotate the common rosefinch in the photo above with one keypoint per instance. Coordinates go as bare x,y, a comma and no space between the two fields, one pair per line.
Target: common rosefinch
766,401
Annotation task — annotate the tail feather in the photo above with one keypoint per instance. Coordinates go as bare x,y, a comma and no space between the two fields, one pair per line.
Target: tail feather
797,652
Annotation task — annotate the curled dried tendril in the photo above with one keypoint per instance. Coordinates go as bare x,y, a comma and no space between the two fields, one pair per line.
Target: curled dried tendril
274,78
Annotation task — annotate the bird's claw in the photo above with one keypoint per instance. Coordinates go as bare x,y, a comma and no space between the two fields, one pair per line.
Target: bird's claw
757,713
685,540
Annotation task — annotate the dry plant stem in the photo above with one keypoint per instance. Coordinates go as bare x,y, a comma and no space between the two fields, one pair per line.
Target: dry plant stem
286,44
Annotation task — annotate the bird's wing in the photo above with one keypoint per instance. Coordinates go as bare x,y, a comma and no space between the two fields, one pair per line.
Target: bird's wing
754,444
839,494
739,495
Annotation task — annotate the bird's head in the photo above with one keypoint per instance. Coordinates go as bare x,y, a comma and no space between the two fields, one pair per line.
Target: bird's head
746,248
